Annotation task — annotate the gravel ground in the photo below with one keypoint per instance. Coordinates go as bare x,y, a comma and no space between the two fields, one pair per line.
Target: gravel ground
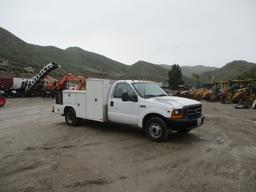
39,152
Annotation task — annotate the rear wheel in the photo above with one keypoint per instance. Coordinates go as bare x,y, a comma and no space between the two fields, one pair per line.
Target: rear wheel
70,117
156,129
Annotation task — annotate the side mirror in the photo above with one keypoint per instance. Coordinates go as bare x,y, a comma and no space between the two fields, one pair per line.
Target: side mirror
135,98
125,97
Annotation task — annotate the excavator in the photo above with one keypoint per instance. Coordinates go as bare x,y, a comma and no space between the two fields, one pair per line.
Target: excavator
70,81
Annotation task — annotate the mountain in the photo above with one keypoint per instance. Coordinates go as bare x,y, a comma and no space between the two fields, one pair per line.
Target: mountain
248,74
146,70
21,55
232,70
22,59
198,69
189,70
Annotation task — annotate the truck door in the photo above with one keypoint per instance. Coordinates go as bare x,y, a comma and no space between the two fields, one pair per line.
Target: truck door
123,111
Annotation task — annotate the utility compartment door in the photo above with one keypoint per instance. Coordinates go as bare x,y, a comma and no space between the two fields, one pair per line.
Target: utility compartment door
94,100
80,105
76,100
69,97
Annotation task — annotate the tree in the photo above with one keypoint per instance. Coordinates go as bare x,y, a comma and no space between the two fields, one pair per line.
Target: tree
196,77
175,77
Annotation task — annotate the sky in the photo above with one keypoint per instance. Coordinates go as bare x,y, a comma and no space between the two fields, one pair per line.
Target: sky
185,32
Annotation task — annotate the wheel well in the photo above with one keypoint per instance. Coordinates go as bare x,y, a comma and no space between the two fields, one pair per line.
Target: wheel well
66,109
148,116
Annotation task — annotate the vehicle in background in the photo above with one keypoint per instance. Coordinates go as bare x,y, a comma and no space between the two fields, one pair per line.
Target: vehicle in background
48,87
35,84
2,98
138,103
26,87
13,87
71,82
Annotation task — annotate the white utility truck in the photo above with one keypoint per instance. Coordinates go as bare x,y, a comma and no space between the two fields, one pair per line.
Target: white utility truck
139,103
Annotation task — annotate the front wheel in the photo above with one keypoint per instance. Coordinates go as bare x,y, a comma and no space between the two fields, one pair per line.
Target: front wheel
156,129
70,117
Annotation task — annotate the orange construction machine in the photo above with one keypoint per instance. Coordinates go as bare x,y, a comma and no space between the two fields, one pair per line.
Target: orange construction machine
71,82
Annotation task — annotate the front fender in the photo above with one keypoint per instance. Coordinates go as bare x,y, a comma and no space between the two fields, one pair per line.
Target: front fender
160,111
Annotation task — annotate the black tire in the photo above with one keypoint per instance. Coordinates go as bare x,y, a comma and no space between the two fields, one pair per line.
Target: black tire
70,117
156,129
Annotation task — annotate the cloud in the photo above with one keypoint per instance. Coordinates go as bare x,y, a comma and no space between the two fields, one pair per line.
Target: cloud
187,32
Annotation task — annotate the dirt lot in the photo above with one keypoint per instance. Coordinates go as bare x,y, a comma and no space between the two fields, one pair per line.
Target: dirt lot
39,152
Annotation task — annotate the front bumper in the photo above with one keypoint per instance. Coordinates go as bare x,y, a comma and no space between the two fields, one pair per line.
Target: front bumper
184,124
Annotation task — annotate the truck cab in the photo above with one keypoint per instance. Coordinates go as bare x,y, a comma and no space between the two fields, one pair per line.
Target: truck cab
138,103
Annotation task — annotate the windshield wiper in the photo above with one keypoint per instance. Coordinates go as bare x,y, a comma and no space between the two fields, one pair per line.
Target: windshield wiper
161,95
149,96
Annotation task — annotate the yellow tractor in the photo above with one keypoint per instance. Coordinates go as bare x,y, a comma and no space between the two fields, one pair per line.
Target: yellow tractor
246,95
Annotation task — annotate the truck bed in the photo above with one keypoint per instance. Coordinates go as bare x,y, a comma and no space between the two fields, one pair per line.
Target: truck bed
88,104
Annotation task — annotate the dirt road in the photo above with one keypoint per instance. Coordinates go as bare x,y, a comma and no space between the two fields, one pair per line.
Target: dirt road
39,152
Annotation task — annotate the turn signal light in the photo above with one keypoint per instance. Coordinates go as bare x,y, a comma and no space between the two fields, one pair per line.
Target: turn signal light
177,114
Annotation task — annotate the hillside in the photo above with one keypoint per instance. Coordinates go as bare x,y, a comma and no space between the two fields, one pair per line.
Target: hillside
148,71
251,74
18,56
15,54
232,70
21,59
189,70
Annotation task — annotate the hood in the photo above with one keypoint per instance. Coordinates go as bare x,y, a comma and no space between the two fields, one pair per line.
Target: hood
176,102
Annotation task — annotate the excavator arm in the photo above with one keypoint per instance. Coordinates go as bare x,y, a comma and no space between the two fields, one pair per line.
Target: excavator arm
80,82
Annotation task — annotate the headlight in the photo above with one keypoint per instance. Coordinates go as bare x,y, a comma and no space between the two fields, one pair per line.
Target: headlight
177,114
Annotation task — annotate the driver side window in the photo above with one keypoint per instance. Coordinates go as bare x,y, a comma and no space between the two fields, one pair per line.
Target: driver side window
123,88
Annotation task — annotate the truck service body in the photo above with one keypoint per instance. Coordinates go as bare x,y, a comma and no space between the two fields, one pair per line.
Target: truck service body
139,103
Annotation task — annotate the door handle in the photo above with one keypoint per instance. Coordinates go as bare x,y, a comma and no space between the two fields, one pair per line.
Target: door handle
111,103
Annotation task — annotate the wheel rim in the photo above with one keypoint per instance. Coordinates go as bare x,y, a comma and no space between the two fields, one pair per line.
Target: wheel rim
155,130
70,117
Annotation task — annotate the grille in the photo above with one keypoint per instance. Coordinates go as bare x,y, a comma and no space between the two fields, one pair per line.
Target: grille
194,111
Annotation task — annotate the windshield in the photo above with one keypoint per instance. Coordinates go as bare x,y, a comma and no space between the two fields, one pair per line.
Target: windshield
148,90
